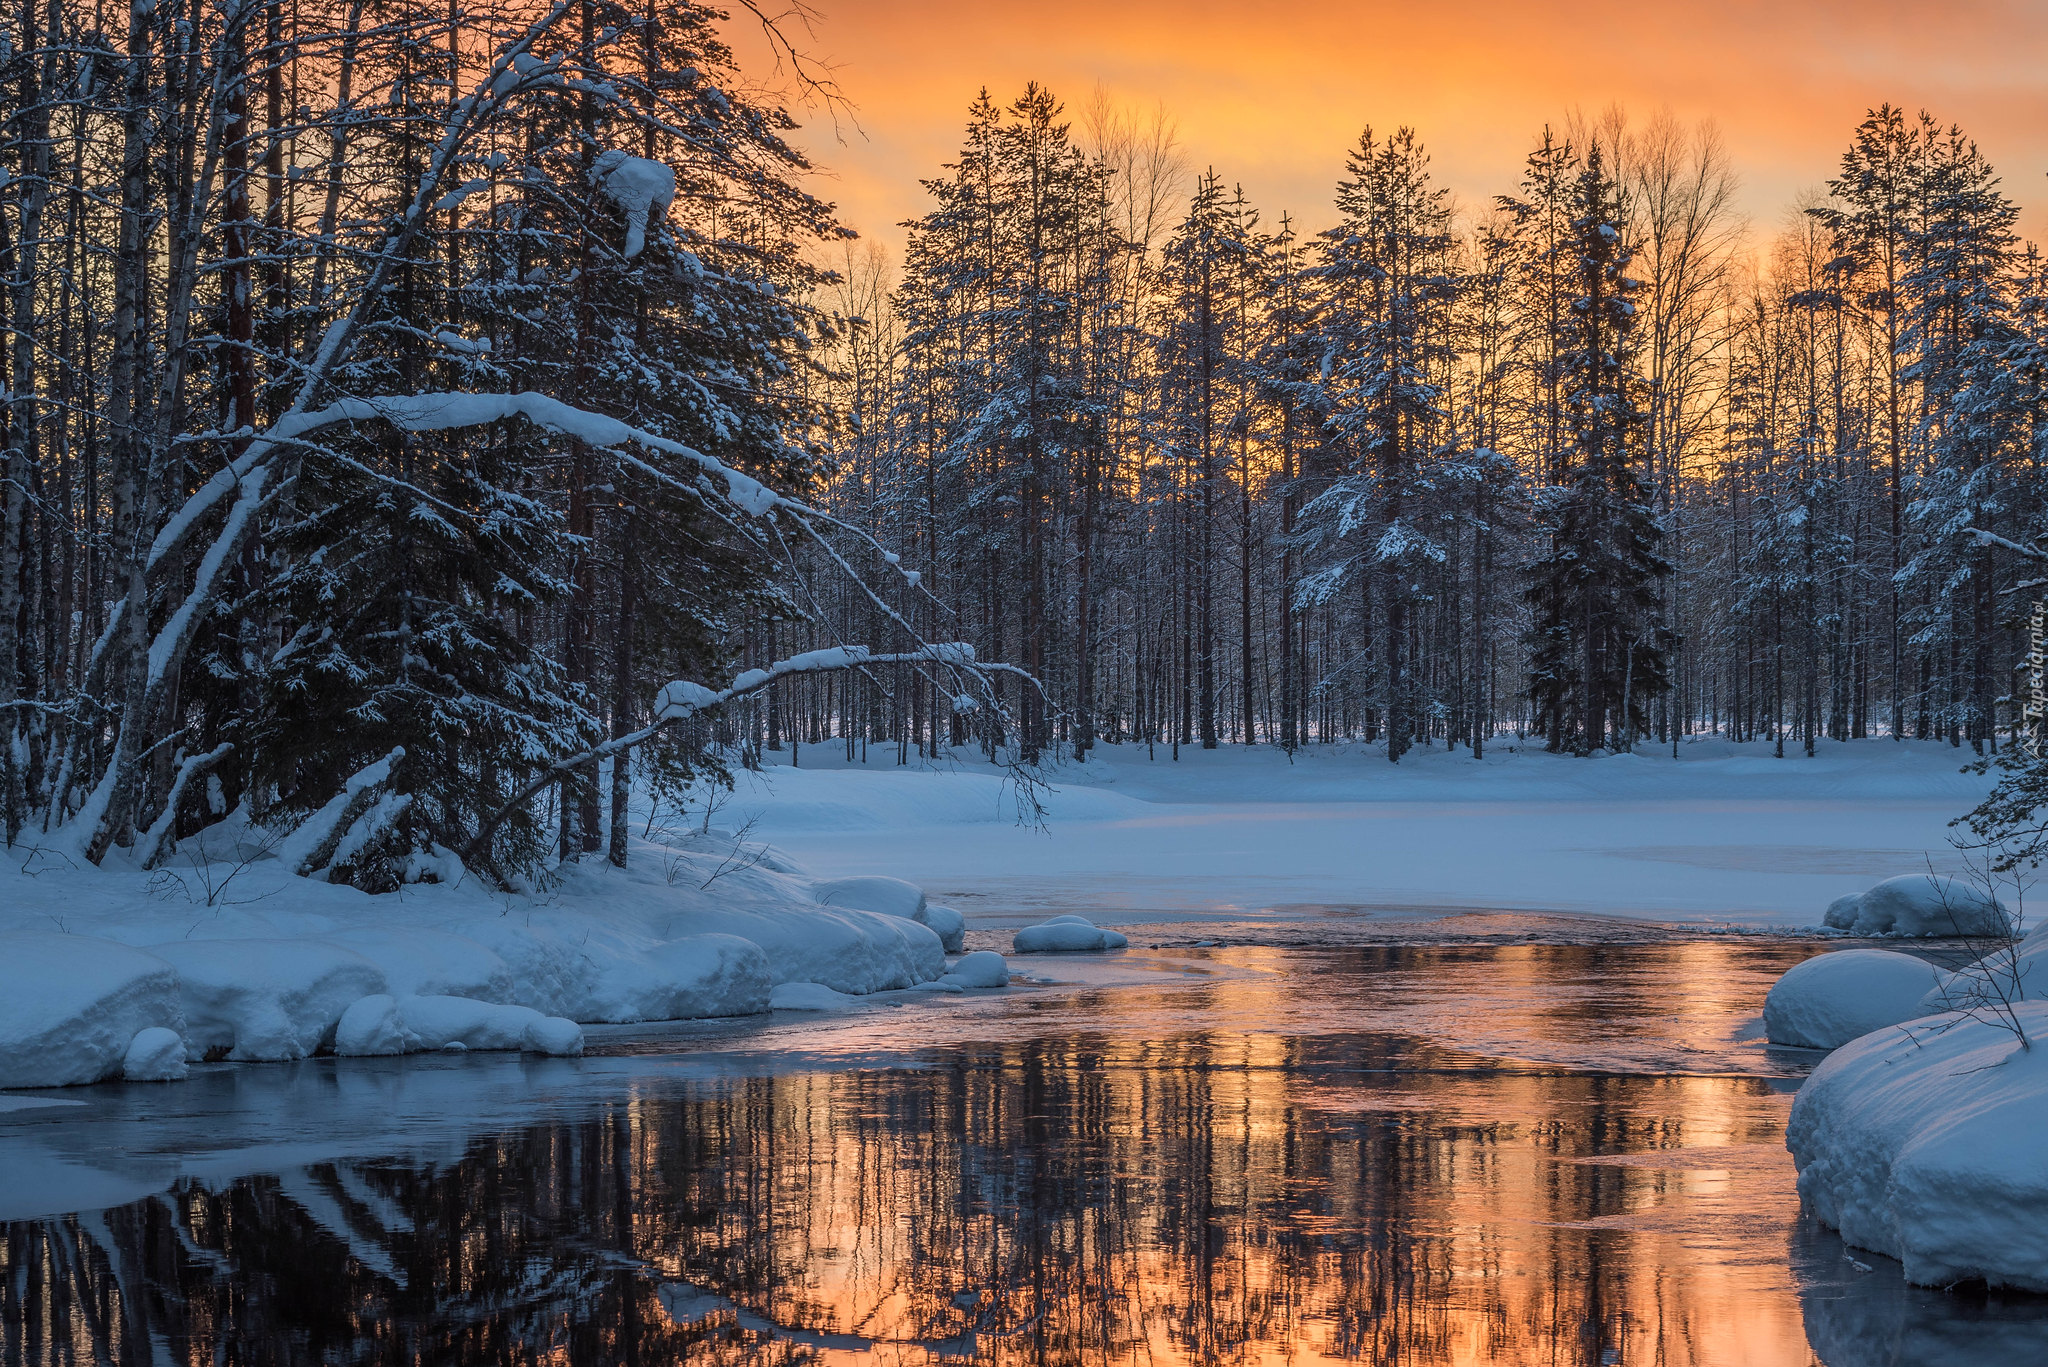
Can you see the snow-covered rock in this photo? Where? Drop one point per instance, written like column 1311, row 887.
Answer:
column 1920, row 904
column 1831, row 999
column 438, row 1022
column 982, row 968
column 266, row 999
column 72, row 1005
column 894, row 897
column 1928, row 1148
column 155, row 1055
column 949, row 925
column 808, row 997
column 1066, row 934
column 384, row 1024
column 373, row 1027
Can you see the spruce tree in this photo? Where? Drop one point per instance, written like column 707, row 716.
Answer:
column 1595, row 654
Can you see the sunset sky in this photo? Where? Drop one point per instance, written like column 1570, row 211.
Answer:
column 1272, row 94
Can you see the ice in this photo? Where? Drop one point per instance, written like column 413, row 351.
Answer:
column 808, row 997
column 155, row 1055
column 266, row 1000
column 982, row 968
column 1920, row 904
column 71, row 1006
column 1066, row 934
column 1924, row 1144
column 1834, row 998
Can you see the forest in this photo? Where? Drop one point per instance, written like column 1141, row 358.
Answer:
column 446, row 417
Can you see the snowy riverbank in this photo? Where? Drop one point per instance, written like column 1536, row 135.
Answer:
column 241, row 959
column 1724, row 833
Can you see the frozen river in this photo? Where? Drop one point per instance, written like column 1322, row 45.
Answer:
column 1411, row 1154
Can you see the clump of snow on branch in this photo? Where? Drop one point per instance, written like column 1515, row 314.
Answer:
column 643, row 188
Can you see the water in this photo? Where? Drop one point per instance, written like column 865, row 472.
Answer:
column 1418, row 1155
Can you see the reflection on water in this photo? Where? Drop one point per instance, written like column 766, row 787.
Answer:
column 1064, row 1191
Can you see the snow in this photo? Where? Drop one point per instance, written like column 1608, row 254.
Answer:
column 266, row 1000
column 1834, row 998
column 239, row 957
column 1725, row 834
column 418, row 963
column 155, row 1055
column 641, row 187
column 808, row 997
column 894, row 897
column 71, row 1007
column 1924, row 1144
column 2010, row 972
column 983, row 968
column 1067, row 934
column 1920, row 905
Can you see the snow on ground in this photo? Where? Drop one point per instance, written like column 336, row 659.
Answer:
column 1724, row 833
column 1924, row 1143
column 241, row 959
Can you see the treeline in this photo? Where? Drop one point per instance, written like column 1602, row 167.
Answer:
column 1585, row 462
column 398, row 396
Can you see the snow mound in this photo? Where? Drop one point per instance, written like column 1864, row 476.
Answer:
column 431, row 963
column 808, row 997
column 1066, row 934
column 383, row 1024
column 72, row 1005
column 266, row 1000
column 1834, row 998
column 155, row 1055
column 1928, row 1148
column 982, row 968
column 894, row 897
column 1920, row 904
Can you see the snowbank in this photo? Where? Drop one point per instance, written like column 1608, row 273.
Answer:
column 1920, row 904
column 266, row 1000
column 1924, row 1144
column 71, row 1007
column 1066, row 934
column 698, row 927
column 1834, row 998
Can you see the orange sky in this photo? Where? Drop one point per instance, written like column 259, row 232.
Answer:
column 1272, row 94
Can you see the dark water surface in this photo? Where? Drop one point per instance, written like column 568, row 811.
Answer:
column 1531, row 1154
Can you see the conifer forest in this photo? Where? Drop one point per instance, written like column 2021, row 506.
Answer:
column 401, row 396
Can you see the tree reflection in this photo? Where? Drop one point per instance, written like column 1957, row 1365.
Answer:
column 1089, row 1198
